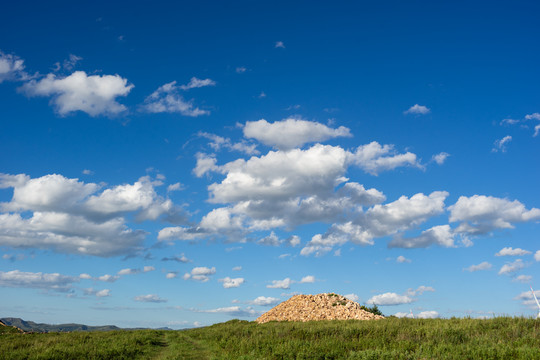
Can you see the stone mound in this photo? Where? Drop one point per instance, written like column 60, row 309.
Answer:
column 317, row 307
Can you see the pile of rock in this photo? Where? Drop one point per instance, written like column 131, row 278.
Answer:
column 317, row 307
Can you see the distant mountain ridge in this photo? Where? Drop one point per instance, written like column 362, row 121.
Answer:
column 30, row 326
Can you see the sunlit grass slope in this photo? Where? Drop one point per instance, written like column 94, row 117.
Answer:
column 499, row 338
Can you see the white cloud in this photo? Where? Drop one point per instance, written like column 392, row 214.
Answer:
column 523, row 278
column 241, row 69
column 264, row 301
column 527, row 298
column 291, row 133
column 167, row 99
column 401, row 314
column 201, row 274
column 402, row 259
column 352, row 297
column 11, row 68
column 440, row 158
column 512, row 267
column 280, row 284
column 205, row 164
column 374, row 158
column 175, row 187
column 129, row 271
column 39, row 280
column 237, row 268
column 481, row 214
column 171, row 275
column 148, row 268
column 107, row 278
column 500, row 145
column 537, row 255
column 308, row 279
column 279, row 44
column 103, row 293
column 181, row 259
column 85, row 276
column 534, row 116
column 271, row 240
column 94, row 94
column 417, row 110
column 231, row 283
column 508, row 251
column 440, row 235
column 149, row 298
column 428, row 315
column 218, row 142
column 536, row 130
column 197, row 83
column 482, row 266
column 390, row 298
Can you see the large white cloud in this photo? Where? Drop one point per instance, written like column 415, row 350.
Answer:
column 481, row 214
column 54, row 281
column 94, row 94
column 67, row 215
column 291, row 133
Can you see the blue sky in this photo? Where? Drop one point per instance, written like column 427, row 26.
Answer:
column 185, row 164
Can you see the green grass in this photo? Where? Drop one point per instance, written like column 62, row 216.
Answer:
column 499, row 338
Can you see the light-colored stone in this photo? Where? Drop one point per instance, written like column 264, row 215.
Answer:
column 317, row 307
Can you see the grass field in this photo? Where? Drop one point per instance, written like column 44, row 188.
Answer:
column 499, row 338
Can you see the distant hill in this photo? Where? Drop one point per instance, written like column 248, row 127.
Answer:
column 36, row 327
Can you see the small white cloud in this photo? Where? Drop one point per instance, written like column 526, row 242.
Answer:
column 103, row 293
column 262, row 95
column 11, row 68
column 85, row 276
column 171, row 275
column 264, row 301
column 279, row 44
column 107, row 278
column 201, row 274
column 500, row 145
column 480, row 267
column 402, row 259
column 231, row 283
column 280, row 284
column 508, row 251
column 197, row 83
column 241, row 69
column 440, row 158
column 232, row 311
column 427, row 315
column 181, row 259
column 308, row 279
column 417, row 110
column 175, row 187
column 523, row 278
column 512, row 267
column 149, row 298
column 389, row 299
column 128, row 271
column 534, row 116
column 537, row 255
column 352, row 297
column 536, row 130
column 87, row 172
column 237, row 268
column 94, row 94
column 54, row 281
column 148, row 268
column 167, row 99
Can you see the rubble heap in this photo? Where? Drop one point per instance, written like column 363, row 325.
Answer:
column 317, row 307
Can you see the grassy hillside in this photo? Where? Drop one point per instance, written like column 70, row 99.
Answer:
column 500, row 338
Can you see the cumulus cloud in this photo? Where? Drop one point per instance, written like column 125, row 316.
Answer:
column 97, row 293
column 481, row 214
column 280, row 284
column 149, row 298
column 508, row 251
column 168, row 99
column 441, row 235
column 307, row 279
column 231, row 283
column 482, row 266
column 523, row 278
column 501, row 144
column 11, row 68
column 171, row 275
column 291, row 133
column 201, row 274
column 417, row 110
column 218, row 142
column 94, row 94
column 39, row 280
column 107, row 278
column 352, row 297
column 70, row 216
column 374, row 158
column 264, row 301
column 391, row 298
column 527, row 298
column 512, row 267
